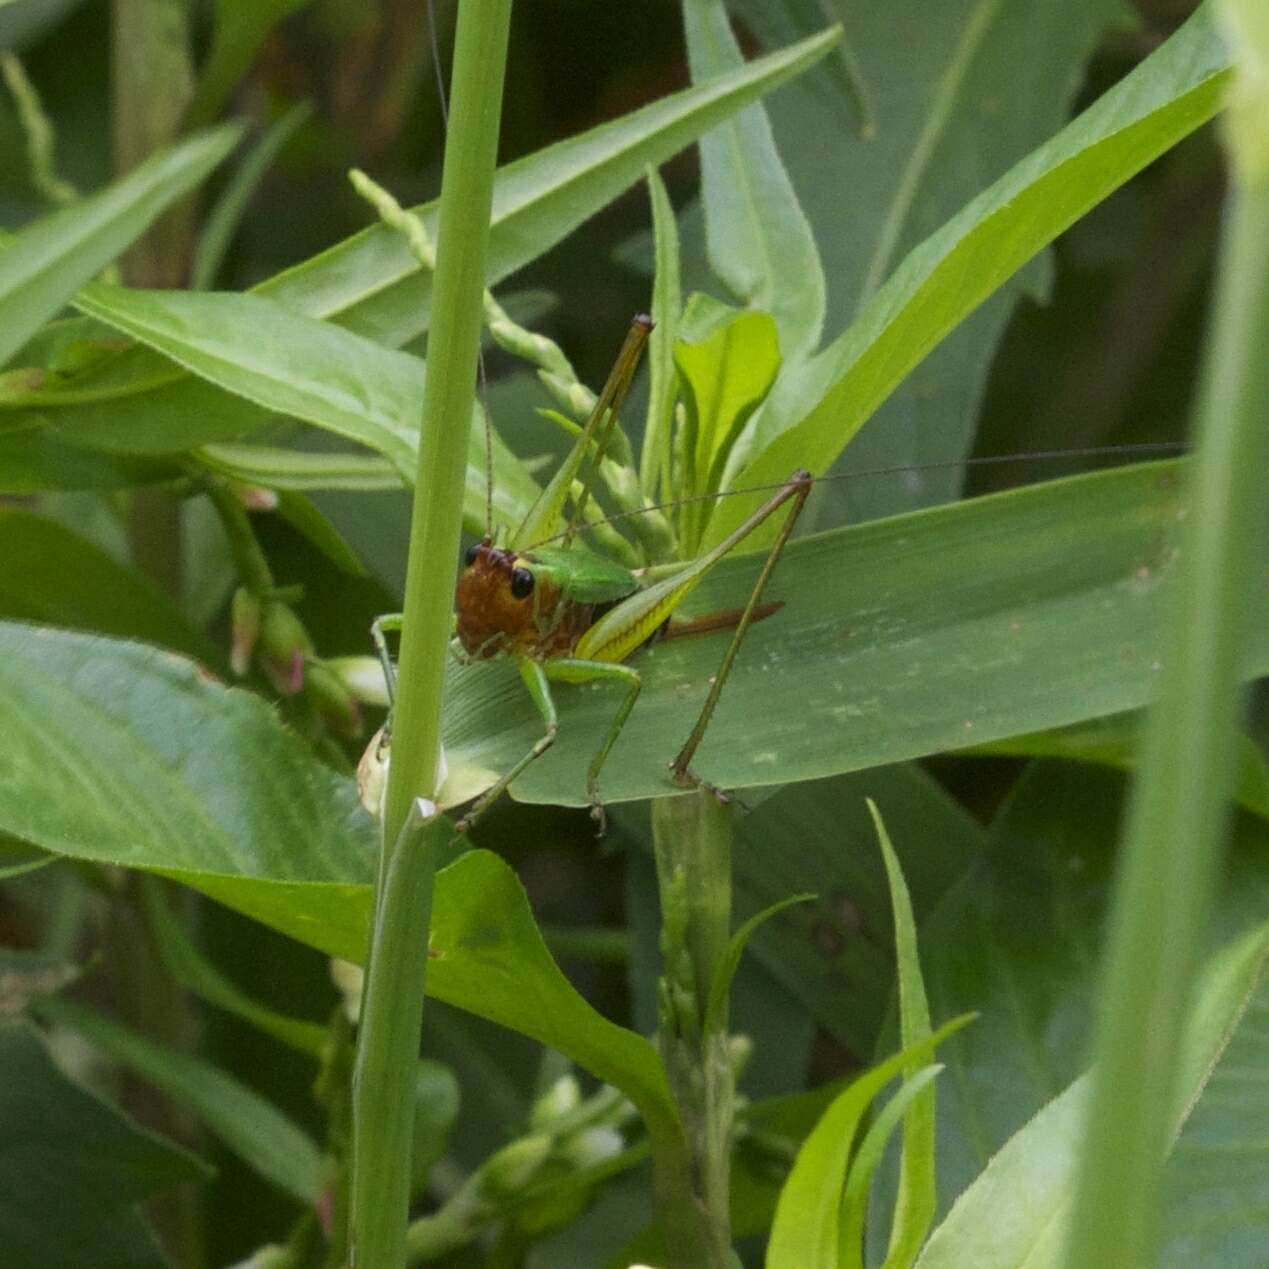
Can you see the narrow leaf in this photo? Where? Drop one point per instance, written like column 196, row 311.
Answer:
column 308, row 369
column 726, row 971
column 758, row 238
column 816, row 408
column 44, row 264
column 806, row 1231
column 864, row 1166
column 917, row 1197
column 667, row 303
column 371, row 283
column 254, row 1129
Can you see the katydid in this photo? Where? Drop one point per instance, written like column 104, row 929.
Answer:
column 569, row 615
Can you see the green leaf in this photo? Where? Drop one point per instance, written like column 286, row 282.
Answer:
column 1016, row 940
column 816, row 408
column 308, row 369
column 254, row 1129
column 667, row 301
column 864, row 1166
column 121, row 754
column 914, row 1207
column 371, row 283
column 224, row 216
column 806, row 1231
column 301, row 470
column 1113, row 742
column 44, row 264
column 54, row 576
column 1017, row 1213
column 73, row 1169
column 723, row 377
column 900, row 638
column 952, row 96
column 726, row 971
column 194, row 971
column 837, row 956
column 758, row 238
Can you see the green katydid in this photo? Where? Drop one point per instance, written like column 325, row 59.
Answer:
column 569, row 615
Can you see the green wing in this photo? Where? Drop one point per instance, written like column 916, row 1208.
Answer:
column 582, row 575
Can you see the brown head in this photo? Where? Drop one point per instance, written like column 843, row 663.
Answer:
column 504, row 608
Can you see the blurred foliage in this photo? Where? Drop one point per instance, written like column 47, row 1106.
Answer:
column 1008, row 861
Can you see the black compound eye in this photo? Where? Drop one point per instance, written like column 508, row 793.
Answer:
column 521, row 583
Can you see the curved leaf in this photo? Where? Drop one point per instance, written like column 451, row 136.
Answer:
column 900, row 638
column 308, row 369
column 952, row 95
column 806, row 1230
column 371, row 284
column 914, row 1206
column 126, row 755
column 43, row 265
column 254, row 1129
column 816, row 408
column 1016, row 1213
column 758, row 238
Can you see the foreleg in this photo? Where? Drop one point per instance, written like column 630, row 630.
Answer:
column 540, row 690
column 576, row 670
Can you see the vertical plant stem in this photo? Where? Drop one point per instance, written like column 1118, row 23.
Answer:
column 1179, row 815
column 692, row 840
column 151, row 80
column 392, row 1003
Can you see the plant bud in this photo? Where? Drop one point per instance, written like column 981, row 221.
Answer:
column 333, row 702
column 562, row 1097
column 244, row 622
column 254, row 497
column 284, row 648
column 512, row 1168
column 592, row 1146
column 362, row 677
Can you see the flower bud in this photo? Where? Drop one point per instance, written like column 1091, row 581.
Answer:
column 563, row 1096
column 244, row 622
column 284, row 647
column 509, row 1170
column 362, row 677
column 254, row 497
column 332, row 701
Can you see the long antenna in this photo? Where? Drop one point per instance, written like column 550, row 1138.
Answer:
column 1135, row 449
column 443, row 98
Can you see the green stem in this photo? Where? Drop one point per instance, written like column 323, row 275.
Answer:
column 388, row 1044
column 249, row 559
column 1177, row 824
column 692, row 839
column 392, row 1002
